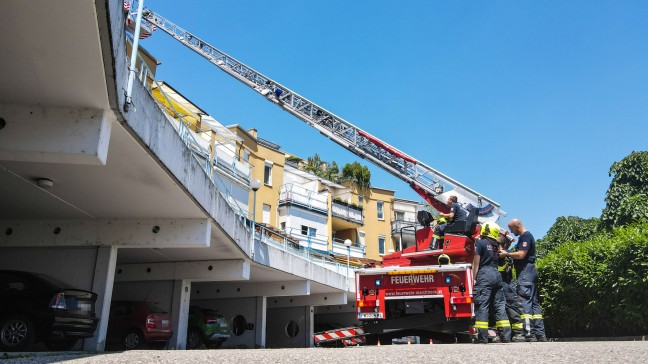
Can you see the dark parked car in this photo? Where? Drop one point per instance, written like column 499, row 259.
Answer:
column 206, row 326
column 134, row 324
column 35, row 308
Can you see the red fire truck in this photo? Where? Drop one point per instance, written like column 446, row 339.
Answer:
column 415, row 290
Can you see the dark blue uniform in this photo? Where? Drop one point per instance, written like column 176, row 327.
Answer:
column 459, row 214
column 513, row 307
column 527, row 287
column 488, row 291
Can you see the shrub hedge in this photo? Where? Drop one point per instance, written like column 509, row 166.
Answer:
column 597, row 287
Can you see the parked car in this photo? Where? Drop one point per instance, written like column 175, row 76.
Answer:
column 206, row 326
column 37, row 308
column 134, row 324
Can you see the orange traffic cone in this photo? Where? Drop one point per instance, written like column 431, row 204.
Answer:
column 378, row 342
column 431, row 342
column 408, row 341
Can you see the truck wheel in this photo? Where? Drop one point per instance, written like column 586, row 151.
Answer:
column 16, row 333
column 133, row 340
column 194, row 339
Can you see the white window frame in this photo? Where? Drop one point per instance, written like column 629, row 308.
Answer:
column 384, row 244
column 380, row 208
column 267, row 166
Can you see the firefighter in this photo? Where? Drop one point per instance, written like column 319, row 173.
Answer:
column 513, row 307
column 524, row 261
column 456, row 213
column 487, row 283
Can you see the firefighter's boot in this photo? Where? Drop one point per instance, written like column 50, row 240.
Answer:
column 433, row 244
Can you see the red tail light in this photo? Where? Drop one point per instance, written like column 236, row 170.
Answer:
column 150, row 321
column 209, row 320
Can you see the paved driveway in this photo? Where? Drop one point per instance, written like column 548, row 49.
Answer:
column 552, row 352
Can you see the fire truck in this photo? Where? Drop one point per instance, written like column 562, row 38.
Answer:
column 416, row 289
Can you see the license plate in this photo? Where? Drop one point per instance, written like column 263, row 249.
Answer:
column 165, row 323
column 366, row 315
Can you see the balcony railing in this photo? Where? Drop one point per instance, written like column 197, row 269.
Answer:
column 347, row 212
column 294, row 194
column 355, row 250
column 407, row 226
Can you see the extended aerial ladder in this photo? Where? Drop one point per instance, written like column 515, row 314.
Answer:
column 429, row 183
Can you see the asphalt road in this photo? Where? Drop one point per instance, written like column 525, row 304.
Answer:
column 551, row 352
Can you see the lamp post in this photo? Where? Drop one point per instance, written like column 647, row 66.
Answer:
column 348, row 243
column 255, row 184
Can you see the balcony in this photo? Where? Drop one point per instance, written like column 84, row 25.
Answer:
column 405, row 226
column 347, row 212
column 291, row 194
column 355, row 250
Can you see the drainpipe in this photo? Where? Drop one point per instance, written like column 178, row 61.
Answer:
column 131, row 70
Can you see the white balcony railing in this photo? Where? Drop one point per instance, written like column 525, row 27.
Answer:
column 292, row 193
column 347, row 212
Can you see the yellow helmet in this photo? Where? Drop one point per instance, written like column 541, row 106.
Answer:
column 490, row 229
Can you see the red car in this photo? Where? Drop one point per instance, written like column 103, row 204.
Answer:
column 134, row 324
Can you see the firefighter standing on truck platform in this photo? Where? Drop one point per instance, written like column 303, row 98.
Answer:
column 487, row 285
column 513, row 307
column 524, row 261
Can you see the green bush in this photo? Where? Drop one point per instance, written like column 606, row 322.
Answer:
column 567, row 229
column 626, row 200
column 598, row 287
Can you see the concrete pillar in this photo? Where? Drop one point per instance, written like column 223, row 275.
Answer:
column 310, row 325
column 180, row 313
column 260, row 322
column 102, row 285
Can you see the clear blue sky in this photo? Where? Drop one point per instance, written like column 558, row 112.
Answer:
column 527, row 102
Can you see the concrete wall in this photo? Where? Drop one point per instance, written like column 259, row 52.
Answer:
column 160, row 292
column 278, row 320
column 72, row 266
column 230, row 308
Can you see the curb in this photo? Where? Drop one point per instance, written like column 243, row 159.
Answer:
column 603, row 338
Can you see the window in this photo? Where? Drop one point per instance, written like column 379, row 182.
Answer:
column 399, row 215
column 267, row 173
column 361, row 237
column 246, row 155
column 381, row 214
column 283, row 226
column 309, row 231
column 360, row 200
column 266, row 214
column 381, row 245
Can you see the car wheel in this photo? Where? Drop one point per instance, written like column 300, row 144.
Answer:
column 60, row 344
column 16, row 333
column 133, row 340
column 214, row 344
column 194, row 339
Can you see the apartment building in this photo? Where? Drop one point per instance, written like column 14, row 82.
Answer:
column 404, row 223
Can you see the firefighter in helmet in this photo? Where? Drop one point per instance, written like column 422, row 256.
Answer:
column 487, row 283
column 513, row 307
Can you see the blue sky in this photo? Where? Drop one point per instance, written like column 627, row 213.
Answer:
column 527, row 102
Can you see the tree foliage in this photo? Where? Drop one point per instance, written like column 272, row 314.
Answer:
column 627, row 197
column 566, row 229
column 597, row 287
column 357, row 175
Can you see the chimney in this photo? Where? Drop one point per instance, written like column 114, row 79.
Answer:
column 253, row 132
